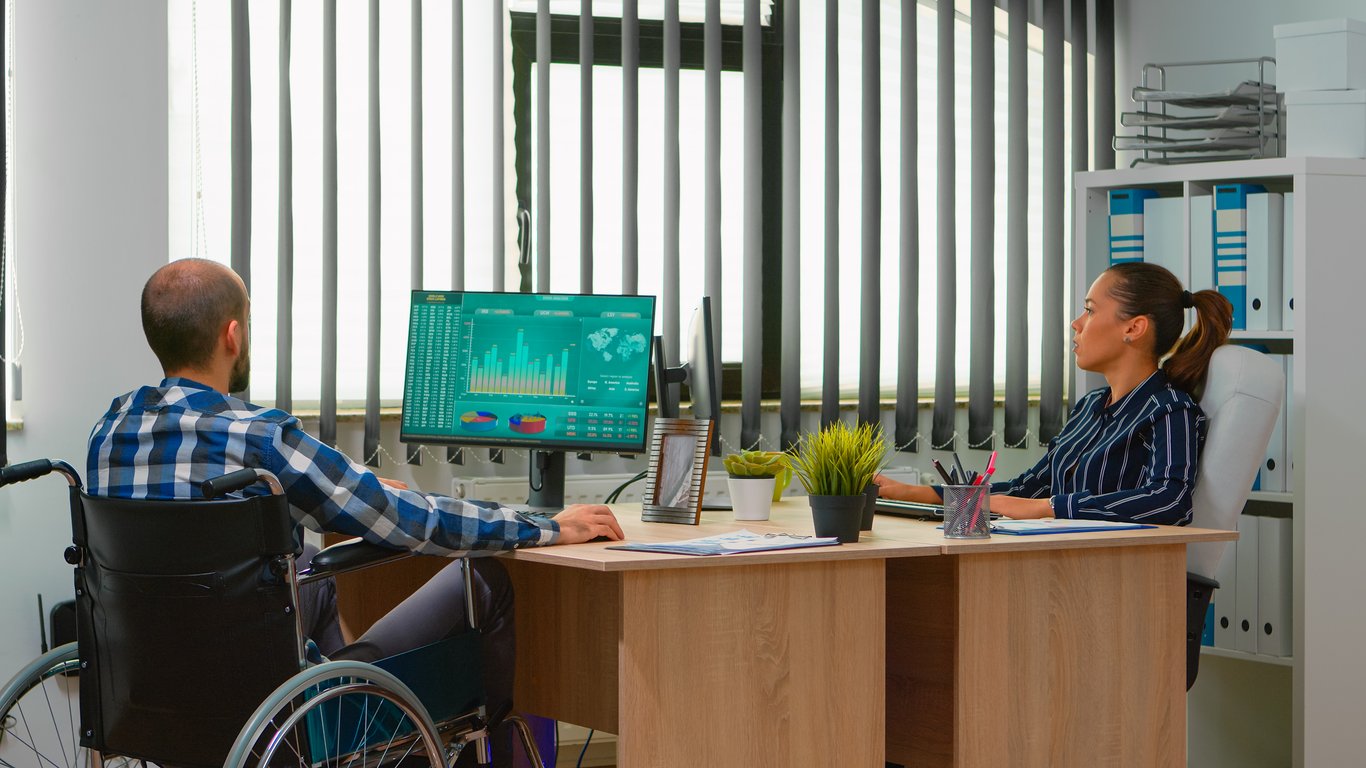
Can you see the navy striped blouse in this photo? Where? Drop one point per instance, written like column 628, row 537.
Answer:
column 1133, row 460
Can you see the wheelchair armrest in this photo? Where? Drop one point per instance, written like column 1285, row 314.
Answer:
column 351, row 555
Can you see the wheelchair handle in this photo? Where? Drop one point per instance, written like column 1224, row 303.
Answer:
column 29, row 470
column 236, row 481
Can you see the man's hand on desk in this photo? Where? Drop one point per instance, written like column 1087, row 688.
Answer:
column 585, row 522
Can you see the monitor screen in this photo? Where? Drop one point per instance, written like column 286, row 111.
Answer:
column 548, row 371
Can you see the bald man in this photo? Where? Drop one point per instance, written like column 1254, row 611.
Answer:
column 162, row 442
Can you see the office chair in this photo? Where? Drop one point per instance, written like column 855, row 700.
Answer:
column 1244, row 390
column 190, row 650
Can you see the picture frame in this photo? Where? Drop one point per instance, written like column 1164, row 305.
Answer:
column 677, row 472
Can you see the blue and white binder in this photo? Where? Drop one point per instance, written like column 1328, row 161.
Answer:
column 1275, row 466
column 1274, row 586
column 1163, row 234
column 1245, row 608
column 1230, row 246
column 1126, row 224
column 1226, row 599
column 1288, row 266
column 1265, row 261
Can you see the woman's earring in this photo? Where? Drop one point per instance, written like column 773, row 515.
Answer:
column 1126, row 339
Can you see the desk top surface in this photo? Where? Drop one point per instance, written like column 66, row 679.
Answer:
column 891, row 537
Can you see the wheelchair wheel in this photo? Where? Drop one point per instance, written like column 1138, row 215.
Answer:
column 40, row 714
column 341, row 713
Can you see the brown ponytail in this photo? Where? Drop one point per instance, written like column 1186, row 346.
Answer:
column 1189, row 360
column 1148, row 289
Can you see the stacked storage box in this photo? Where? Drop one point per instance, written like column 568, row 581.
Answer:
column 1321, row 66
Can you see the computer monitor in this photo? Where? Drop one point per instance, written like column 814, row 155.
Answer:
column 701, row 373
column 546, row 372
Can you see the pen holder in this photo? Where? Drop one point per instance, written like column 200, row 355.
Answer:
column 967, row 511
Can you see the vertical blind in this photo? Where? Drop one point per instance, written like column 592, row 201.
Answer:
column 876, row 314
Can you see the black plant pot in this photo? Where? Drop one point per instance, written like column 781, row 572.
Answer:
column 869, row 501
column 838, row 516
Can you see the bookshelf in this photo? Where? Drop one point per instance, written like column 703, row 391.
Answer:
column 1327, row 433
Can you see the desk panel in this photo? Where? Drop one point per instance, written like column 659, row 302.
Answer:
column 1056, row 657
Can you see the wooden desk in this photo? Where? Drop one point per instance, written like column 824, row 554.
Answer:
column 764, row 659
column 1057, row 650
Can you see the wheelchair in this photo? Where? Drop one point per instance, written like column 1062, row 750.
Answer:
column 194, row 655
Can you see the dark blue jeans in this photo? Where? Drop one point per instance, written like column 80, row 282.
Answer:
column 434, row 611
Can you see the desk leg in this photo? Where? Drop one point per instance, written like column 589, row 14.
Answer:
column 769, row 665
column 1069, row 657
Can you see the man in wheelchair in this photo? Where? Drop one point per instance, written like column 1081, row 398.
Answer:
column 163, row 441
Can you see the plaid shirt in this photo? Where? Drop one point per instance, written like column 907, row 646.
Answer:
column 162, row 442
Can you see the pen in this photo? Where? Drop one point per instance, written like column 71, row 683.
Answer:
column 940, row 468
column 991, row 467
column 958, row 467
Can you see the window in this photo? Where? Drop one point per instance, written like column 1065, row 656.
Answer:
column 200, row 82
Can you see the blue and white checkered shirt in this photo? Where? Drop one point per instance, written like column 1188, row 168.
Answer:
column 162, row 442
column 1131, row 460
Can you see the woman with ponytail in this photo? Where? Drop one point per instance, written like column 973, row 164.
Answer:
column 1129, row 451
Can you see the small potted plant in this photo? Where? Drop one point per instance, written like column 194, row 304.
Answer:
column 835, row 466
column 753, row 477
column 872, row 459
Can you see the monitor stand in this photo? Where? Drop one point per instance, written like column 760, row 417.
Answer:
column 547, row 481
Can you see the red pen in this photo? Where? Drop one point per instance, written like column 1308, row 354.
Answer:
column 991, row 467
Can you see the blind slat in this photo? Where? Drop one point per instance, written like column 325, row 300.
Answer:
column 1081, row 132
column 586, row 147
column 711, row 270
column 327, row 407
column 791, row 310
column 542, row 146
column 1105, row 85
column 668, row 298
column 1017, row 228
column 908, row 365
column 1051, row 311
column 830, row 378
column 630, row 148
column 240, row 142
column 415, row 178
column 870, row 299
column 284, row 344
column 945, row 333
column 982, row 342
column 373, row 294
column 751, row 381
column 496, row 155
column 456, row 455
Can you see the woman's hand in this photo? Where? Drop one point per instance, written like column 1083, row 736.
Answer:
column 1020, row 509
column 888, row 488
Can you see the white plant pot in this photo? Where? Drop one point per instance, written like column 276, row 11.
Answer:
column 751, row 497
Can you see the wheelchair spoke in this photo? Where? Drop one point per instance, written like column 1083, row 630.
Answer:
column 53, row 714
column 32, row 743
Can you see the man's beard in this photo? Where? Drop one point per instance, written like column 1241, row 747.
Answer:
column 240, row 378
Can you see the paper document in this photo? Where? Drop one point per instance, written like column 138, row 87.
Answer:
column 743, row 540
column 1055, row 525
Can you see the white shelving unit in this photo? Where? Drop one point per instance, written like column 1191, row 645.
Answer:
column 1328, row 435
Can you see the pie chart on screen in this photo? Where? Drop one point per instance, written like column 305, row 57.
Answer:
column 479, row 421
column 527, row 423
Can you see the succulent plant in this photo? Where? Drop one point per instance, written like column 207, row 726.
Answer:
column 756, row 464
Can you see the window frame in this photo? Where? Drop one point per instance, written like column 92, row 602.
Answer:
column 607, row 44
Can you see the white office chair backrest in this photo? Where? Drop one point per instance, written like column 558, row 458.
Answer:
column 1244, row 390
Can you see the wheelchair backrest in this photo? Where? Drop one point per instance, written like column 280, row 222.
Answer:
column 187, row 621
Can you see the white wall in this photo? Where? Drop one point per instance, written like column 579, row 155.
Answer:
column 1148, row 31
column 91, row 224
